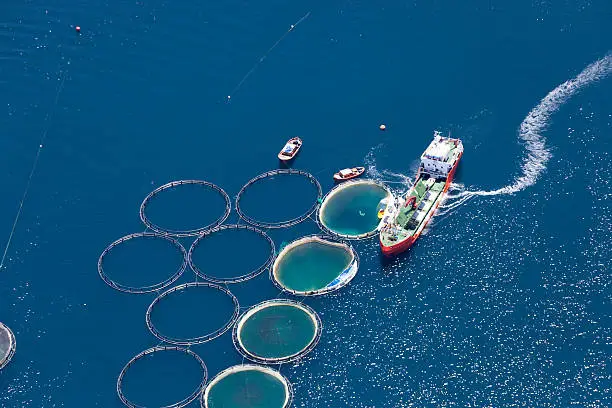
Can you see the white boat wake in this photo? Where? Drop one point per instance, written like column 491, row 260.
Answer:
column 386, row 176
column 530, row 132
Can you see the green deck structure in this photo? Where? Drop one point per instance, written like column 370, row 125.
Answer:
column 420, row 190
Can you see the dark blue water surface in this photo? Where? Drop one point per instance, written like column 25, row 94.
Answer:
column 505, row 301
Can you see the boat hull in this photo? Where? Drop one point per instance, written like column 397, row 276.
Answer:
column 297, row 142
column 360, row 171
column 283, row 158
column 404, row 245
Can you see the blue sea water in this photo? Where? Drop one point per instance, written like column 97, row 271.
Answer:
column 505, row 301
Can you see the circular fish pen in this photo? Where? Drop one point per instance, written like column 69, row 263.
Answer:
column 314, row 265
column 247, row 386
column 351, row 209
column 8, row 345
column 148, row 355
column 147, row 288
column 184, row 232
column 277, row 332
column 278, row 223
column 189, row 341
column 231, row 246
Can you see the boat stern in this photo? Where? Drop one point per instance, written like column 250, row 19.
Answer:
column 393, row 250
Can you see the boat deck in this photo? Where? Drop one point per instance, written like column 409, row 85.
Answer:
column 425, row 199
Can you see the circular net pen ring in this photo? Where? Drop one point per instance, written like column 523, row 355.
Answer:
column 279, row 224
column 180, row 404
column 193, row 340
column 295, row 357
column 236, row 279
column 288, row 387
column 143, row 289
column 184, row 233
column 12, row 346
column 343, row 185
column 350, row 271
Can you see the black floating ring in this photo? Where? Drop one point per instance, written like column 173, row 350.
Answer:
column 193, row 340
column 143, row 289
column 183, row 403
column 184, row 233
column 236, row 279
column 280, row 224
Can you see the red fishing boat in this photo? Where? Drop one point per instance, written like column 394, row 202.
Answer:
column 405, row 218
column 347, row 174
column 292, row 147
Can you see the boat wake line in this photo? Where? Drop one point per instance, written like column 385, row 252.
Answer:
column 530, row 133
column 386, row 176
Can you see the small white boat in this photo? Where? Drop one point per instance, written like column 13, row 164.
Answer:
column 347, row 174
column 291, row 148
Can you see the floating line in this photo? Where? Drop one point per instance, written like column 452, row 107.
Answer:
column 236, row 279
column 143, row 289
column 262, row 58
column 183, row 403
column 48, row 120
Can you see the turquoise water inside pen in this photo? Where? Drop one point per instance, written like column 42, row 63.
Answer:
column 353, row 209
column 504, row 301
column 311, row 265
column 277, row 331
column 248, row 388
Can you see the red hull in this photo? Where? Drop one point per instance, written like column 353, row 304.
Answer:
column 408, row 242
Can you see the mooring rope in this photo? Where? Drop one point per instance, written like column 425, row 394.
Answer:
column 43, row 138
column 263, row 57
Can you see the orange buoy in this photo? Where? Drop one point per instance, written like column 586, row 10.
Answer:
column 382, row 127
column 78, row 29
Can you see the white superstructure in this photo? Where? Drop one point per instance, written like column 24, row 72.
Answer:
column 441, row 155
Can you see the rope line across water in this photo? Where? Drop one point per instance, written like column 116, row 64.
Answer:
column 236, row 279
column 279, row 224
column 143, row 289
column 199, row 339
column 180, row 404
column 191, row 232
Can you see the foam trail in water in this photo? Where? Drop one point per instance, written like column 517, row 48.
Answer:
column 530, row 132
column 537, row 121
column 385, row 176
